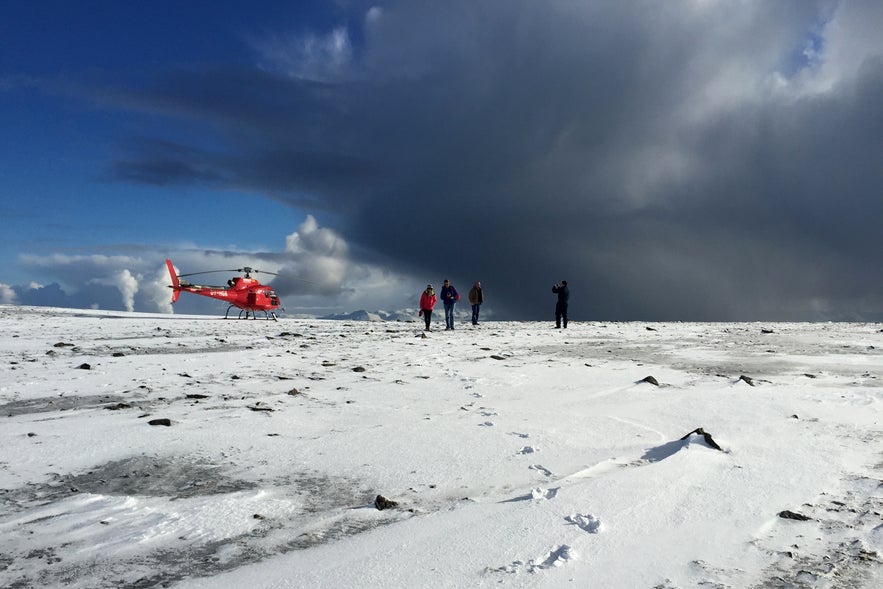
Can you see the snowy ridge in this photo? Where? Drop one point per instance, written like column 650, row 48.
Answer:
column 363, row 315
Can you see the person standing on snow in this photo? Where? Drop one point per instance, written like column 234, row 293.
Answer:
column 475, row 299
column 561, row 306
column 427, row 304
column 449, row 297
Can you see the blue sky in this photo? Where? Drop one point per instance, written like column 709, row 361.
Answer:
column 664, row 166
column 59, row 142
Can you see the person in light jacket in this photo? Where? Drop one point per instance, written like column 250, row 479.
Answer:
column 475, row 299
column 427, row 304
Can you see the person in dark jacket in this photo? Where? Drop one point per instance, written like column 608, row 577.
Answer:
column 449, row 297
column 561, row 306
column 475, row 299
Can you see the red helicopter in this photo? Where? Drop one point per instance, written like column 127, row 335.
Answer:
column 243, row 292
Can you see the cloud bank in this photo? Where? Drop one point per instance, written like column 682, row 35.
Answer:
column 314, row 274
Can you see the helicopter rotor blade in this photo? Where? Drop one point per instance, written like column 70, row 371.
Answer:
column 245, row 270
column 206, row 272
column 248, row 270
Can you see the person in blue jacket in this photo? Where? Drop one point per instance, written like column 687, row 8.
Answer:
column 449, row 297
column 561, row 306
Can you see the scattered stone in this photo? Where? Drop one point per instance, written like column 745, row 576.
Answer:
column 795, row 416
column 328, row 363
column 766, row 330
column 808, row 375
column 382, row 503
column 651, row 380
column 85, row 366
column 747, row 380
column 32, row 435
column 787, row 514
column 708, row 439
column 196, row 396
column 648, row 328
column 234, row 377
column 118, row 406
column 293, row 392
column 62, row 345
column 163, row 421
column 497, row 357
column 118, row 354
column 258, row 516
column 184, row 374
column 359, row 369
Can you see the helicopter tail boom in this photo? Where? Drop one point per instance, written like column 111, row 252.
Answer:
column 176, row 285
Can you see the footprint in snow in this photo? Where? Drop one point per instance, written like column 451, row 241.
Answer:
column 540, row 493
column 554, row 558
column 586, row 522
column 486, row 424
column 527, row 450
column 522, row 436
column 541, row 469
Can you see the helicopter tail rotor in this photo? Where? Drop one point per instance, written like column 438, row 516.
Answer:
column 176, row 285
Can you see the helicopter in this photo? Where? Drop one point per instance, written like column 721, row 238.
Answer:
column 244, row 292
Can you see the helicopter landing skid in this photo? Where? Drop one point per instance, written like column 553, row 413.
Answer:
column 246, row 312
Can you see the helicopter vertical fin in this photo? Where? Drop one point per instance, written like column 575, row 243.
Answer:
column 176, row 286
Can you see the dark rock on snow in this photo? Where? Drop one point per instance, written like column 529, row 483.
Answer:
column 651, row 380
column 382, row 503
column 787, row 514
column 708, row 439
column 261, row 408
column 163, row 421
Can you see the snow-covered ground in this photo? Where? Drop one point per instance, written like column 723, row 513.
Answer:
column 518, row 455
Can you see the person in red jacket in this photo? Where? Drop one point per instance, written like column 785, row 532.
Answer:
column 427, row 303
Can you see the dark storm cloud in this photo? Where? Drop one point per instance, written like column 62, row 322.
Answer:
column 654, row 156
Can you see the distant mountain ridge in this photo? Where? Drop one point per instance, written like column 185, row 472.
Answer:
column 363, row 315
